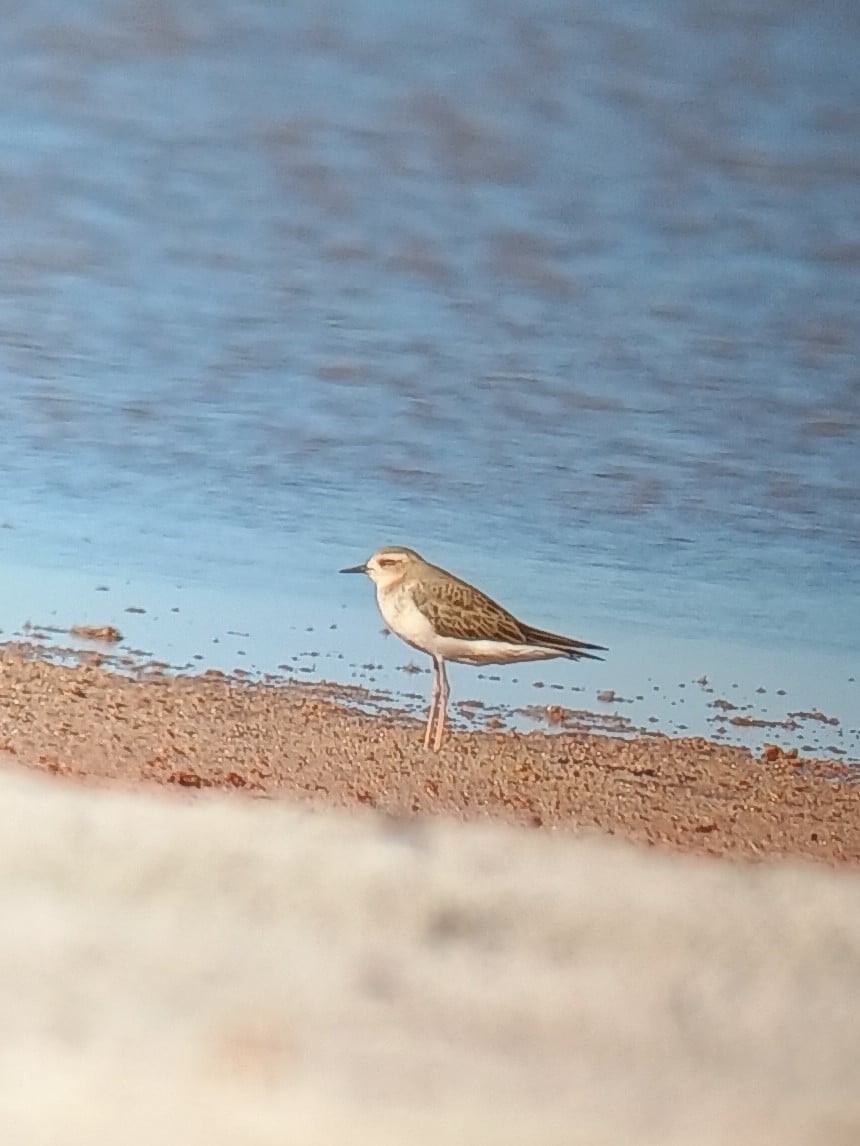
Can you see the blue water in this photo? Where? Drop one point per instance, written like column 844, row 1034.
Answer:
column 566, row 297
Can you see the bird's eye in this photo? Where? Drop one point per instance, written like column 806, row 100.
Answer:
column 384, row 561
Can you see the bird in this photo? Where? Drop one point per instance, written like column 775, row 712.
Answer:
column 438, row 613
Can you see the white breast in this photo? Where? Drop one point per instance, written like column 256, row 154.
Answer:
column 403, row 618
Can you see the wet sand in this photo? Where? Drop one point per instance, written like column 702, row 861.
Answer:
column 309, row 743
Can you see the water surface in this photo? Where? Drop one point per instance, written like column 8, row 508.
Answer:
column 564, row 296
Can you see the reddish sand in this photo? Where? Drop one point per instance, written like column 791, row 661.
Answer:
column 307, row 743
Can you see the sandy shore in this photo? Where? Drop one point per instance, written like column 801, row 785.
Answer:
column 209, row 935
column 306, row 743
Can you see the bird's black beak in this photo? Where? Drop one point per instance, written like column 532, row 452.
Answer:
column 355, row 569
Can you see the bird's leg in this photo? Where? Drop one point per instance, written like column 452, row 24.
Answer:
column 434, row 702
column 441, row 703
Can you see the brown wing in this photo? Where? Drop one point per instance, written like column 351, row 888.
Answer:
column 457, row 609
column 568, row 646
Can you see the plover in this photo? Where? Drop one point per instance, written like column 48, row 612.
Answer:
column 436, row 612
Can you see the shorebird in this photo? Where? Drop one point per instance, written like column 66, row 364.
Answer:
column 436, row 612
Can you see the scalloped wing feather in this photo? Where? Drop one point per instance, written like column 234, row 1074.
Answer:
column 444, row 604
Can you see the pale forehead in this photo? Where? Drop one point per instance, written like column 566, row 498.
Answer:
column 396, row 551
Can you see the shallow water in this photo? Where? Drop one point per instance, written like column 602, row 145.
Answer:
column 565, row 298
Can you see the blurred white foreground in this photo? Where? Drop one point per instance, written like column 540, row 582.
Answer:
column 229, row 971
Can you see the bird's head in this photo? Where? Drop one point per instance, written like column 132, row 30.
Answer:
column 388, row 565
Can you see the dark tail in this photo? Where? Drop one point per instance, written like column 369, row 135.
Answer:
column 567, row 646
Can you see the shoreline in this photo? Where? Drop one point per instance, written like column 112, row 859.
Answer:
column 712, row 685
column 311, row 743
